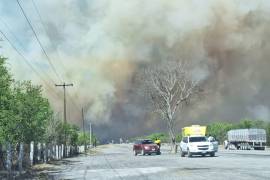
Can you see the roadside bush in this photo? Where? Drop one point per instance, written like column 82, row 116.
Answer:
column 86, row 138
column 219, row 130
column 162, row 136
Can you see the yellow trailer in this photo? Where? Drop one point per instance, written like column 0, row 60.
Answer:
column 194, row 130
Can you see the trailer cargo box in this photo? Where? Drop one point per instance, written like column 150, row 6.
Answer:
column 247, row 138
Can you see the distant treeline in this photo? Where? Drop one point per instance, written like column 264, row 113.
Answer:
column 217, row 129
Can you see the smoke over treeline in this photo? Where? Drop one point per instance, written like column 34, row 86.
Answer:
column 102, row 45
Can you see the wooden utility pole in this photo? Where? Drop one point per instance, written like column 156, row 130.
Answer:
column 65, row 112
column 90, row 132
column 84, row 139
column 65, row 106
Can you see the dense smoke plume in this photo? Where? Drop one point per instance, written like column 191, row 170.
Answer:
column 101, row 45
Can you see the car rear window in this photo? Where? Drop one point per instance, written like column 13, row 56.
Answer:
column 147, row 142
column 197, row 139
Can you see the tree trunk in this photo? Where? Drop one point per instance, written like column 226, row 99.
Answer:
column 173, row 145
column 172, row 137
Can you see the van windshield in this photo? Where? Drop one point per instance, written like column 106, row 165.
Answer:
column 197, row 139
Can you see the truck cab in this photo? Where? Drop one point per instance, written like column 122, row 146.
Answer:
column 197, row 145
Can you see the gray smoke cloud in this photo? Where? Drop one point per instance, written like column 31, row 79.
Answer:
column 101, row 45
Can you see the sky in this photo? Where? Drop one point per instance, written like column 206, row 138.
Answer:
column 101, row 45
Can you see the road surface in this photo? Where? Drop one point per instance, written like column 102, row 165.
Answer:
column 117, row 162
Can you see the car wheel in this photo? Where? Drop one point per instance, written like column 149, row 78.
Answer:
column 212, row 154
column 203, row 155
column 143, row 152
column 135, row 153
column 182, row 153
column 189, row 154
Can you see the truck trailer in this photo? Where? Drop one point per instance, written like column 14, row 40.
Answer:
column 247, row 139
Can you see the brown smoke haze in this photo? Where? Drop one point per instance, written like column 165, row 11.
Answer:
column 102, row 45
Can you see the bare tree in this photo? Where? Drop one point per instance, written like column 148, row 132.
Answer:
column 170, row 86
column 52, row 128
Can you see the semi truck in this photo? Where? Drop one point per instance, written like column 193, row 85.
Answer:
column 194, row 142
column 246, row 139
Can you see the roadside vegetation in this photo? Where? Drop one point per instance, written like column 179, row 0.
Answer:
column 26, row 116
column 216, row 129
column 84, row 138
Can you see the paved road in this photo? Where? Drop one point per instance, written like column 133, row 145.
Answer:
column 116, row 162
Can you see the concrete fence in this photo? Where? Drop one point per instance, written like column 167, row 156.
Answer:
column 14, row 159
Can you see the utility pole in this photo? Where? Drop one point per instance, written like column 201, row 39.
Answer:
column 64, row 85
column 65, row 106
column 84, row 139
column 90, row 131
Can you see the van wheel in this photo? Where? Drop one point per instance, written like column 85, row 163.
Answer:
column 212, row 154
column 189, row 154
column 135, row 153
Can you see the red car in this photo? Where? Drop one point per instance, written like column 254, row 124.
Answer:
column 145, row 147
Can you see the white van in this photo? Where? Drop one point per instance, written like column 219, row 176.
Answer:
column 198, row 145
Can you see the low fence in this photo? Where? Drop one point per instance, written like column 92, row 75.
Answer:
column 14, row 159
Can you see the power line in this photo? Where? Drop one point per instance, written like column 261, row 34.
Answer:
column 45, row 29
column 21, row 44
column 25, row 59
column 39, row 42
column 38, row 13
column 73, row 102
column 7, row 27
column 62, row 64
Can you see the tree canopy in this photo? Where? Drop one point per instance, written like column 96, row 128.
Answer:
column 26, row 115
